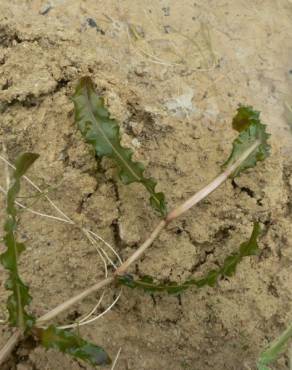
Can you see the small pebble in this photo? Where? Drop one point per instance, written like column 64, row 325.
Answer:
column 167, row 29
column 91, row 23
column 140, row 71
column 166, row 11
column 136, row 127
column 136, row 143
column 45, row 9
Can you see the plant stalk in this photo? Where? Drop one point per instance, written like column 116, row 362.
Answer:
column 79, row 297
column 122, row 269
column 196, row 198
column 9, row 346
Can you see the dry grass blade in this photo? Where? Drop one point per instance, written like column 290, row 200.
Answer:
column 116, row 359
column 94, row 239
column 9, row 346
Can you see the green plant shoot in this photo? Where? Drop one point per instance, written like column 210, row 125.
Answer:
column 148, row 284
column 52, row 337
column 247, row 122
column 68, row 342
column 18, row 316
column 94, row 122
column 274, row 350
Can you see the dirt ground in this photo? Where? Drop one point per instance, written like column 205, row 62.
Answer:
column 173, row 73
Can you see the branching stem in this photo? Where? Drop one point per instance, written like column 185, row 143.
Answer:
column 196, row 198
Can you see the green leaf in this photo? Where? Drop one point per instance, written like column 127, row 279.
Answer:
column 249, row 248
column 277, row 347
column 20, row 296
column 98, row 129
column 228, row 269
column 247, row 122
column 68, row 342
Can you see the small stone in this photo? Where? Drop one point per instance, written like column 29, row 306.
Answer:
column 91, row 23
column 167, row 29
column 136, row 127
column 166, row 11
column 140, row 71
column 136, row 143
column 45, row 9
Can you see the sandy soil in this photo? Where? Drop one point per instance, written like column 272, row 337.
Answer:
column 173, row 73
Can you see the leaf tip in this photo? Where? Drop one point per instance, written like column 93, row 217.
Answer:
column 101, row 131
column 252, row 132
column 244, row 117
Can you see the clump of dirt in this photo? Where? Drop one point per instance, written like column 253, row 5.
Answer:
column 173, row 74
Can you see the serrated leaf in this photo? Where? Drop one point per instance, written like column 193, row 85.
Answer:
column 20, row 296
column 209, row 280
column 98, row 129
column 148, row 284
column 249, row 248
column 68, row 342
column 247, row 122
